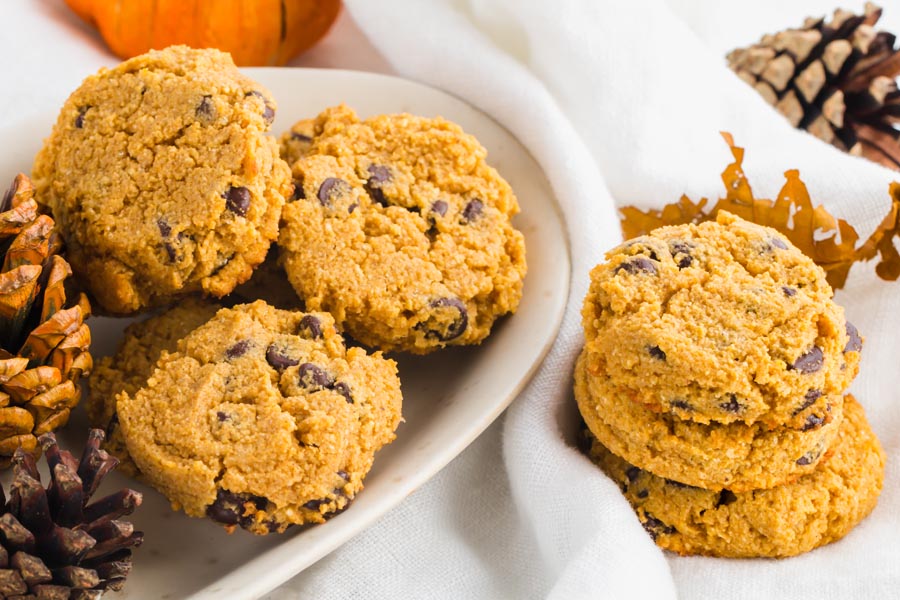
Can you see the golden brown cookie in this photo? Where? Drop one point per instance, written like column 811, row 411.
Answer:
column 163, row 179
column 724, row 321
column 401, row 230
column 735, row 456
column 816, row 509
column 262, row 418
column 133, row 363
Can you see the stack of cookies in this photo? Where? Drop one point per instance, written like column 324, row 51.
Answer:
column 253, row 409
column 712, row 384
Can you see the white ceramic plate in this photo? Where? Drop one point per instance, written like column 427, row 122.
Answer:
column 448, row 398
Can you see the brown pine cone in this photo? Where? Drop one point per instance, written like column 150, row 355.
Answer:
column 835, row 79
column 43, row 338
column 53, row 543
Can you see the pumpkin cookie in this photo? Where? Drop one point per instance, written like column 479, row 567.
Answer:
column 724, row 321
column 262, row 418
column 735, row 456
column 401, row 230
column 162, row 178
column 133, row 363
column 814, row 510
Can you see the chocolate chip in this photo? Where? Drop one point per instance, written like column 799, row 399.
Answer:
column 316, row 504
column 810, row 362
column 778, row 243
column 222, row 416
column 809, row 457
column 330, row 189
column 79, row 120
column 813, row 422
column 732, row 406
column 632, row 473
column 725, row 498
column 343, row 475
column 457, row 327
column 378, row 176
column 642, row 494
column 300, row 137
column 299, row 192
column 656, row 352
column 472, row 210
column 237, row 200
column 344, row 390
column 854, row 344
column 314, row 377
column 268, row 112
column 170, row 251
column 684, row 249
column 439, row 207
column 338, row 511
column 681, row 404
column 352, row 207
column 206, row 110
column 808, row 400
column 637, row 264
column 165, row 229
column 655, row 527
column 310, row 327
column 278, row 360
column 229, row 507
column 789, row 291
column 238, row 349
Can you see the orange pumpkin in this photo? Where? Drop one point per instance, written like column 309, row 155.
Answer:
column 255, row 32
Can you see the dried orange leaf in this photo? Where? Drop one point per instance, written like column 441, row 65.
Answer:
column 829, row 241
column 881, row 242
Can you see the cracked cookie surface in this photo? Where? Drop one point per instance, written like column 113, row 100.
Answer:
column 262, row 419
column 134, row 361
column 400, row 229
column 724, row 321
column 816, row 509
column 162, row 178
column 735, row 456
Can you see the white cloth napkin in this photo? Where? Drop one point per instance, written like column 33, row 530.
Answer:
column 621, row 103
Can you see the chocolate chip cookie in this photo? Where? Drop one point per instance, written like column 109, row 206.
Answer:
column 816, row 509
column 724, row 321
column 133, row 363
column 401, row 230
column 162, row 178
column 716, row 456
column 262, row 418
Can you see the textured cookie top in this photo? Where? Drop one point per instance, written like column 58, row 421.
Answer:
column 400, row 229
column 162, row 179
column 262, row 418
column 723, row 321
column 816, row 509
column 134, row 361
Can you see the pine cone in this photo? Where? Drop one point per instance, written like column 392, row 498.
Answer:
column 53, row 544
column 834, row 79
column 43, row 339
